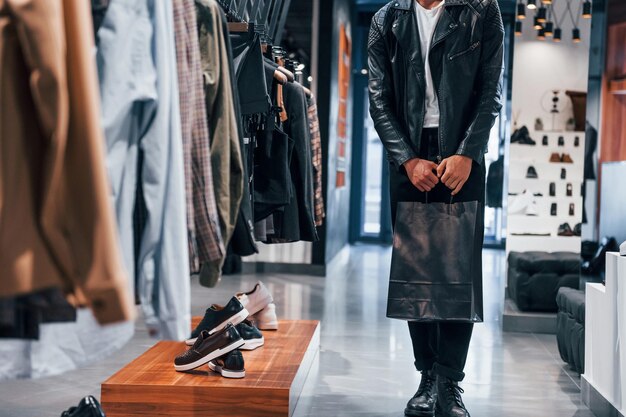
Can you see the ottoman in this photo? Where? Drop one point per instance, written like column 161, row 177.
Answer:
column 570, row 327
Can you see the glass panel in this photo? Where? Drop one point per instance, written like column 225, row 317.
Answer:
column 373, row 179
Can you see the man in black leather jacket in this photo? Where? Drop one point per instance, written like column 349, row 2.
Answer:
column 434, row 121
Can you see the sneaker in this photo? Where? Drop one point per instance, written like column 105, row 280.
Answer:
column 578, row 229
column 88, row 407
column 563, row 173
column 522, row 137
column 561, row 141
column 577, row 141
column 251, row 335
column 552, row 189
column 553, row 209
column 567, row 159
column 565, row 230
column 531, row 172
column 555, row 157
column 622, row 249
column 230, row 365
column 532, row 209
column 217, row 317
column 544, row 141
column 257, row 299
column 520, row 203
column 569, row 189
column 208, row 347
column 266, row 319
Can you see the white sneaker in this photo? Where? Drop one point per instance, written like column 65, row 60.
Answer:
column 532, row 209
column 266, row 319
column 257, row 299
column 520, row 203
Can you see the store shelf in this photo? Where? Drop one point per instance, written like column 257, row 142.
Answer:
column 275, row 375
column 543, row 243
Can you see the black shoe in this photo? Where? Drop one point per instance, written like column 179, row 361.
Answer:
column 552, row 189
column 449, row 401
column 423, row 402
column 87, row 407
column 209, row 347
column 251, row 335
column 544, row 141
column 538, row 195
column 553, row 209
column 597, row 264
column 563, row 173
column 522, row 137
column 578, row 229
column 569, row 189
column 565, row 230
column 532, row 172
column 561, row 141
column 572, row 210
column 230, row 365
column 577, row 141
column 217, row 317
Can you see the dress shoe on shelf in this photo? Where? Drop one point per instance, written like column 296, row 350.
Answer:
column 266, row 319
column 424, row 401
column 544, row 140
column 563, row 173
column 555, row 157
column 577, row 141
column 565, row 230
column 567, row 159
column 87, row 407
column 569, row 190
column 531, row 172
column 553, row 209
column 257, row 299
column 561, row 141
column 230, row 365
column 578, row 229
column 596, row 265
column 522, row 137
column 252, row 336
column 208, row 347
column 449, row 400
column 572, row 209
column 552, row 189
column 217, row 317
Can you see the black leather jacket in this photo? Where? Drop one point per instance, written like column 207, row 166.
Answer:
column 466, row 62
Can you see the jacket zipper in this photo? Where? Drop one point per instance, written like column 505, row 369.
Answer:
column 471, row 48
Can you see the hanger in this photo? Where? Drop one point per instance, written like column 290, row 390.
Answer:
column 280, row 77
column 290, row 75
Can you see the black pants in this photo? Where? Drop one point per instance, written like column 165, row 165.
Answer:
column 439, row 346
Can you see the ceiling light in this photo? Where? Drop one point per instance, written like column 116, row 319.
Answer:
column 576, row 35
column 557, row 35
column 537, row 24
column 518, row 28
column 587, row 9
column 542, row 14
column 532, row 4
column 549, row 28
column 521, row 11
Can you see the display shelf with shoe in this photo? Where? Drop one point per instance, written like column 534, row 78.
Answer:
column 262, row 382
column 555, row 170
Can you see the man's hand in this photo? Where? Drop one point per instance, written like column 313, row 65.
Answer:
column 421, row 173
column 454, row 172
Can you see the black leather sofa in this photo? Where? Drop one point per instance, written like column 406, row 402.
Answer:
column 570, row 327
column 534, row 278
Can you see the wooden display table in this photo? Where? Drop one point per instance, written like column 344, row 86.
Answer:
column 275, row 375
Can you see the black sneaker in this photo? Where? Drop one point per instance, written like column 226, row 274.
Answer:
column 577, row 141
column 230, row 365
column 532, row 172
column 217, row 317
column 251, row 335
column 553, row 209
column 544, row 141
column 565, row 230
column 561, row 141
column 552, row 189
column 87, row 407
column 522, row 137
column 209, row 347
column 563, row 173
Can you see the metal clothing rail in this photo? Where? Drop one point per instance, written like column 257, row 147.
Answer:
column 267, row 16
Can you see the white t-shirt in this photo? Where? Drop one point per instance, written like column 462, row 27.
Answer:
column 426, row 22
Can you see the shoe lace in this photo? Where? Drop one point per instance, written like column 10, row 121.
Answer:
column 426, row 384
column 455, row 392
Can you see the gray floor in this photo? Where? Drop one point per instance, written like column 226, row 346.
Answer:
column 365, row 363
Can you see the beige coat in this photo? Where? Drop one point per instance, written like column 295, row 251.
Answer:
column 56, row 221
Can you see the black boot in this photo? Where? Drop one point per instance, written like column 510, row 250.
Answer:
column 423, row 402
column 449, row 401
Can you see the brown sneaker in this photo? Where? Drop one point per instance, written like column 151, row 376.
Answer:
column 565, row 158
column 555, row 157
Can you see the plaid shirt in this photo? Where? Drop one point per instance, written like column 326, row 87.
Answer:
column 316, row 152
column 205, row 238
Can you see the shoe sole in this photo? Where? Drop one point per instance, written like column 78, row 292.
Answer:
column 260, row 305
column 272, row 325
column 213, row 355
column 252, row 344
column 227, row 373
column 411, row 413
column 235, row 320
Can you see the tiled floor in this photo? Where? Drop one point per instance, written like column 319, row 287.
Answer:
column 365, row 363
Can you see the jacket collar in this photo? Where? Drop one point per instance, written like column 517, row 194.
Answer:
column 408, row 4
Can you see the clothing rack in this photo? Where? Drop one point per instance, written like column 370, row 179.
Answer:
column 268, row 17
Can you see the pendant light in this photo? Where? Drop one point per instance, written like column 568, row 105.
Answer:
column 549, row 28
column 532, row 4
column 576, row 35
column 547, row 1
column 521, row 11
column 537, row 24
column 557, row 35
column 587, row 9
column 518, row 28
column 542, row 14
column 541, row 34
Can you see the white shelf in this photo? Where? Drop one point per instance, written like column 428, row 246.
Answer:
column 543, row 244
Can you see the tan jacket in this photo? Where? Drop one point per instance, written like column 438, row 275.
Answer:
column 56, row 221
